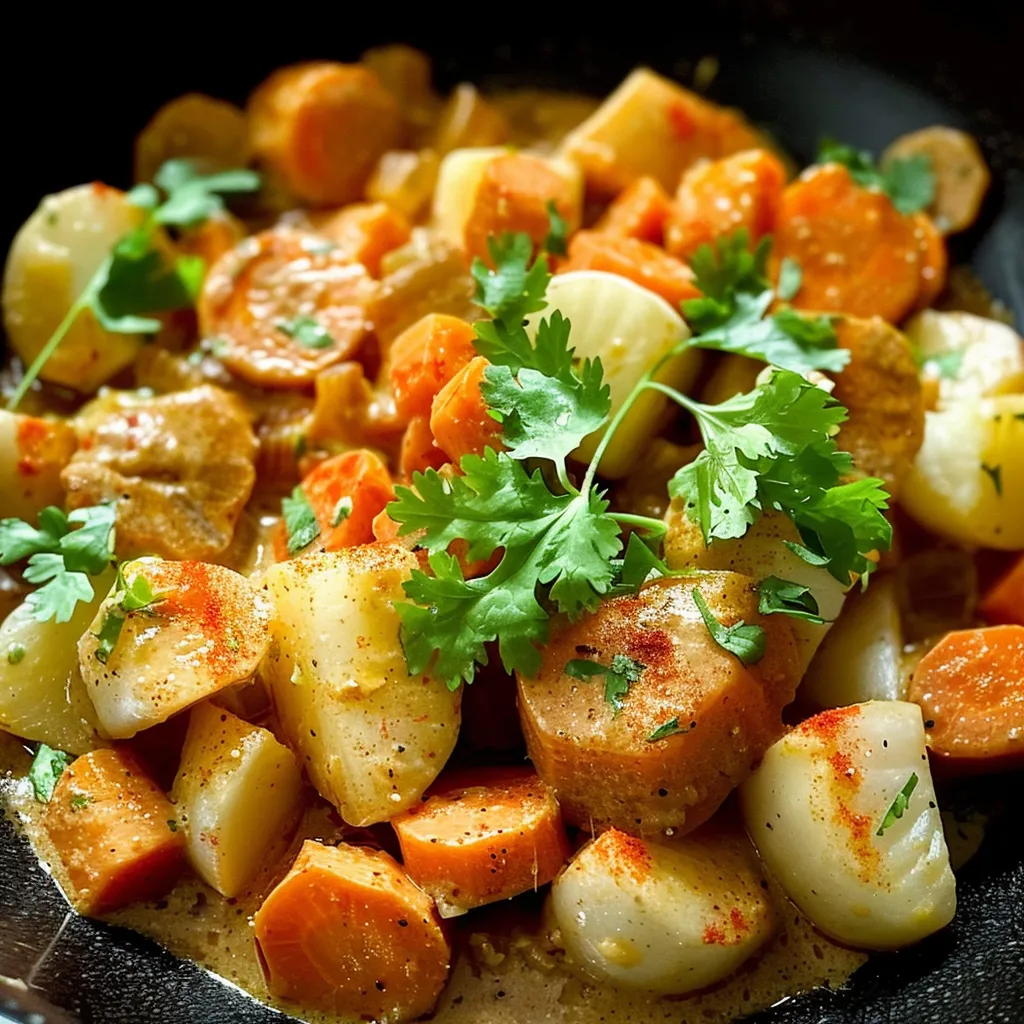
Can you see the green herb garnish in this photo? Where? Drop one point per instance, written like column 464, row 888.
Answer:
column 47, row 767
column 618, row 677
column 898, row 807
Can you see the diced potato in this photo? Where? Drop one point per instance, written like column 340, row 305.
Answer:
column 651, row 125
column 630, row 329
column 861, row 658
column 473, row 195
column 42, row 695
column 815, row 807
column 372, row 737
column 32, row 453
column 666, row 917
column 972, row 356
column 760, row 552
column 205, row 630
column 967, row 482
column 692, row 724
column 469, row 120
column 195, row 126
column 405, row 180
column 238, row 793
column 52, row 259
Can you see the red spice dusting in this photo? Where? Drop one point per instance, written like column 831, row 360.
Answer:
column 842, row 765
column 714, row 935
column 650, row 646
column 829, row 724
column 681, row 121
column 33, row 435
column 620, row 851
column 739, row 922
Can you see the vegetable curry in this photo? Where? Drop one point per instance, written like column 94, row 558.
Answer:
column 506, row 556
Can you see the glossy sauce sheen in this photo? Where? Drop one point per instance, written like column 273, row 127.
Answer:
column 506, row 967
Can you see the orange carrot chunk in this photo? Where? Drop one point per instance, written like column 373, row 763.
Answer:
column 718, row 197
column 418, row 452
column 638, row 211
column 114, row 830
column 646, row 264
column 459, row 419
column 1004, row 602
column 424, row 357
column 858, row 254
column 321, row 127
column 971, row 690
column 347, row 932
column 483, row 836
column 365, row 232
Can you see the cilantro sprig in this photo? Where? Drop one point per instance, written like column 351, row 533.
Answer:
column 908, row 182
column 133, row 595
column 747, row 642
column 899, row 805
column 618, row 677
column 138, row 278
column 61, row 559
column 300, row 522
column 784, row 597
column 46, row 769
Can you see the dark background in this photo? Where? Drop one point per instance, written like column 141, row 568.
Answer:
column 78, row 86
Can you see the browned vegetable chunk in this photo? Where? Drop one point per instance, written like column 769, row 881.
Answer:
column 179, row 465
column 961, row 175
column 881, row 389
column 717, row 716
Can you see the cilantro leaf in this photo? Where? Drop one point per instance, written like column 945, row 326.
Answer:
column 810, row 557
column 342, row 510
column 639, row 563
column 777, row 596
column 746, row 642
column 995, row 474
column 61, row 590
column 558, row 230
column 306, row 331
column 137, row 595
column 730, row 317
column 47, row 767
column 666, row 729
column 19, row 540
column 516, row 288
column 192, row 197
column 899, row 806
column 107, row 635
column 909, row 183
column 90, row 548
column 300, row 520
column 618, row 678
column 791, row 278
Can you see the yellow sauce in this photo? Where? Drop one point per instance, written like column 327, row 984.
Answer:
column 506, row 969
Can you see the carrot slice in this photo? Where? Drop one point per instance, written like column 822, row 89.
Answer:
column 934, row 261
column 483, row 836
column 459, row 419
column 646, row 264
column 345, row 931
column 1004, row 601
column 418, row 449
column 321, row 127
column 513, row 195
column 858, row 254
column 365, row 232
column 638, row 211
column 424, row 357
column 719, row 197
column 115, row 831
column 971, row 690
column 285, row 306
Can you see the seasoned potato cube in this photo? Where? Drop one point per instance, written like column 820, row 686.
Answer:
column 205, row 629
column 237, row 792
column 819, row 809
column 53, row 257
column 652, row 126
column 692, row 724
column 404, row 179
column 630, row 329
column 760, row 552
column 372, row 737
column 666, row 917
column 967, row 482
column 42, row 696
column 485, row 192
column 32, row 454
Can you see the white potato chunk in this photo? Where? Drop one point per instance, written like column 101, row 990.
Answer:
column 238, row 791
column 967, row 482
column 463, row 172
column 42, row 695
column 861, row 658
column 667, row 917
column 206, row 630
column 630, row 329
column 972, row 356
column 760, row 552
column 33, row 452
column 814, row 809
column 372, row 736
column 51, row 260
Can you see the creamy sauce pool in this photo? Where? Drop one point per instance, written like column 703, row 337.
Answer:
column 506, row 969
